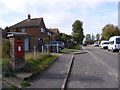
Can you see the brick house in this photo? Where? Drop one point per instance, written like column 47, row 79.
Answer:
column 36, row 30
column 56, row 33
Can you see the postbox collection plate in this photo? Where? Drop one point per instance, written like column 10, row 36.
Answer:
column 19, row 48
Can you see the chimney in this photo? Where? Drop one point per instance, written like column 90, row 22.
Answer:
column 28, row 16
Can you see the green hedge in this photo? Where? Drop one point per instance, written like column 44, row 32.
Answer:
column 5, row 48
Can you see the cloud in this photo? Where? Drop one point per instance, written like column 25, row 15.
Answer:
column 58, row 14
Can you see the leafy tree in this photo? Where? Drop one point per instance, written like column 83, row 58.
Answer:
column 64, row 37
column 77, row 31
column 93, row 37
column 7, row 29
column 88, row 37
column 109, row 31
column 97, row 37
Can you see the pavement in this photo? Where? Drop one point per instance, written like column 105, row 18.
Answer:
column 11, row 80
column 55, row 75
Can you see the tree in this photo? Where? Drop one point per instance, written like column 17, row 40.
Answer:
column 77, row 31
column 109, row 31
column 7, row 29
column 88, row 37
column 97, row 37
column 93, row 37
column 64, row 37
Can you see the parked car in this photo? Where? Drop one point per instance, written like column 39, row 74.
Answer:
column 60, row 44
column 104, row 44
column 96, row 44
column 84, row 44
column 114, row 43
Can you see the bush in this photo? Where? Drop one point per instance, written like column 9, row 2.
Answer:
column 8, row 74
column 6, row 64
column 25, row 84
column 5, row 47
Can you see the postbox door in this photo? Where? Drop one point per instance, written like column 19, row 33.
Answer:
column 19, row 49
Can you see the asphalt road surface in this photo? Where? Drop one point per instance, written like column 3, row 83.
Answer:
column 96, row 68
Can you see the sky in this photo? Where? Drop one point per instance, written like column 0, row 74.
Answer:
column 61, row 14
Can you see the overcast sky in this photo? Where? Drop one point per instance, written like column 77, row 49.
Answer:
column 61, row 14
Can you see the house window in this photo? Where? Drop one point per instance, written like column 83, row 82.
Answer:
column 42, row 30
column 48, row 33
column 23, row 29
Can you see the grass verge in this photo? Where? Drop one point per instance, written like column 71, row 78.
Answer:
column 35, row 66
column 76, row 47
column 40, row 64
column 66, row 51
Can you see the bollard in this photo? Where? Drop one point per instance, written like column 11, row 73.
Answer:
column 57, row 48
column 34, row 52
column 42, row 50
column 47, row 49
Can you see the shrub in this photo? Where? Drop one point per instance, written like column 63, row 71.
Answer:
column 5, row 64
column 25, row 84
column 8, row 74
column 5, row 47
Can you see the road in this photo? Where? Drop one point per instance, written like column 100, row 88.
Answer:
column 96, row 68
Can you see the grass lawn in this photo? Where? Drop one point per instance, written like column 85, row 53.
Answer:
column 76, row 47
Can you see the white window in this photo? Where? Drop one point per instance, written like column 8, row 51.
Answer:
column 48, row 33
column 42, row 30
column 23, row 29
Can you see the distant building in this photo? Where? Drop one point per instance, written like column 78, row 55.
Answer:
column 56, row 33
column 36, row 30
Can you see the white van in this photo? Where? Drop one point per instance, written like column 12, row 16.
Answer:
column 104, row 44
column 114, row 43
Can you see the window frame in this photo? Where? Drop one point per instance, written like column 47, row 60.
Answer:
column 23, row 30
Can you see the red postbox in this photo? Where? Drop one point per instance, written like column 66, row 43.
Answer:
column 17, row 52
column 19, row 49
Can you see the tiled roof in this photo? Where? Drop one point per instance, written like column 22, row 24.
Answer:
column 28, row 23
column 54, row 30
